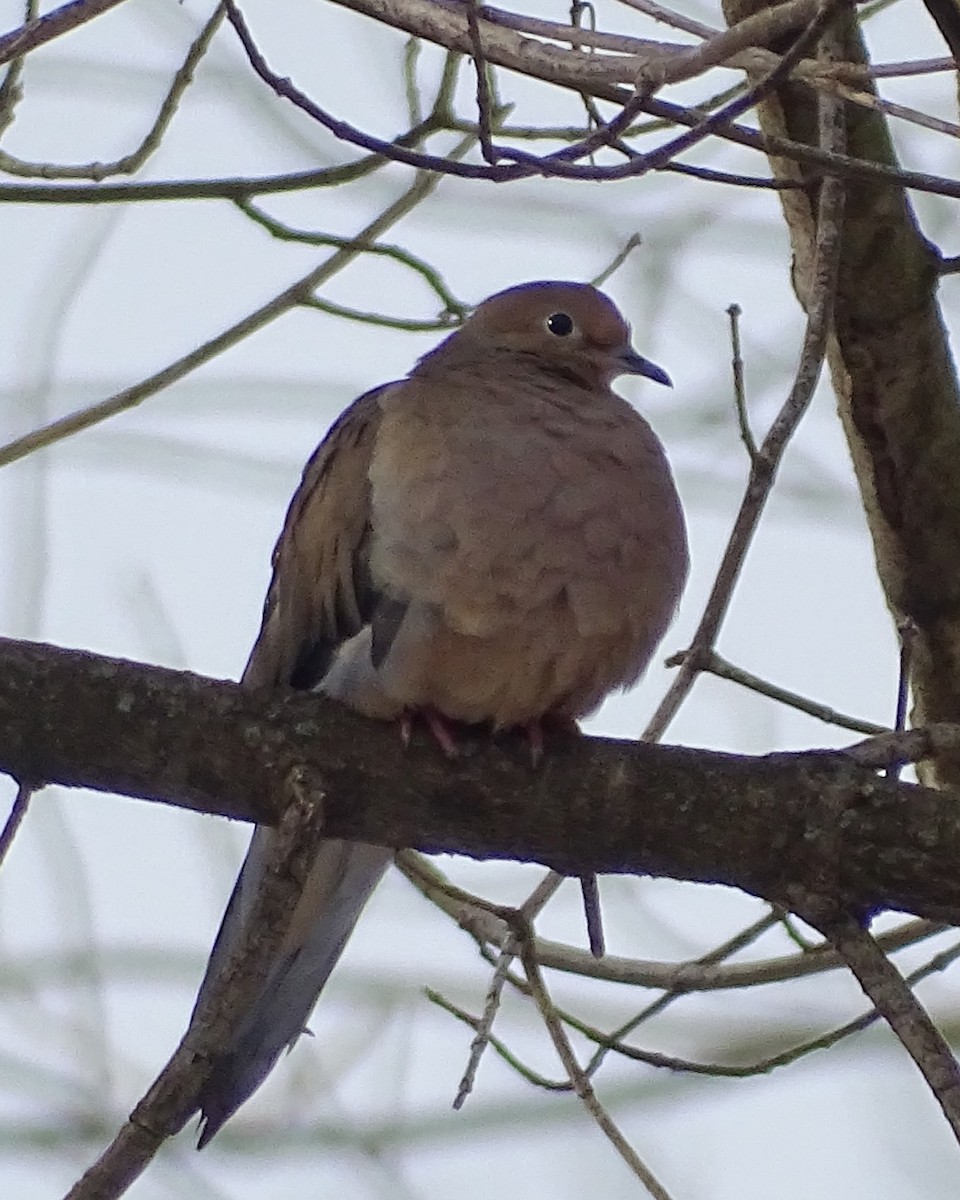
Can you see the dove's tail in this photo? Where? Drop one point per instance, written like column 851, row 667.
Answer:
column 336, row 890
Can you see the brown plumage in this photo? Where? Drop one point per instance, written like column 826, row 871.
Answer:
column 494, row 539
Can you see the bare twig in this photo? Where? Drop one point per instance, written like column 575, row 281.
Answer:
column 612, row 131
column 581, row 1084
column 715, row 664
column 174, row 1096
column 527, row 912
column 633, row 242
column 898, row 70
column 763, row 1066
column 734, row 945
column 613, row 1043
column 764, row 467
column 734, row 312
column 288, row 299
column 594, row 917
column 18, row 811
column 562, row 163
column 502, row 1049
column 475, row 918
column 759, row 30
column 483, row 1027
column 893, row 999
column 411, row 56
column 133, row 161
column 445, row 321
column 451, row 306
column 40, row 30
column 484, row 100
column 732, row 179
column 11, row 92
column 908, row 746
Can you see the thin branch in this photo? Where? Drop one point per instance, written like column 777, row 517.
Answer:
column 611, row 1042
column 740, row 941
column 700, row 975
column 759, row 30
column 893, row 999
column 445, row 321
column 633, row 242
column 593, row 74
column 561, row 164
column 573, row 133
column 734, row 312
column 733, row 179
column 288, row 299
column 11, row 93
column 242, row 188
column 763, row 1066
column 764, row 467
column 13, row 822
column 613, row 130
column 411, row 57
column 715, row 664
column 133, row 161
column 484, row 99
column 581, row 1084
column 899, row 70
column 41, row 30
column 483, row 1028
column 174, row 1096
column 451, row 306
column 817, row 160
column 502, row 1049
column 907, row 746
column 594, row 917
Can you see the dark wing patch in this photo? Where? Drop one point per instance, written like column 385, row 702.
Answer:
column 321, row 592
column 385, row 622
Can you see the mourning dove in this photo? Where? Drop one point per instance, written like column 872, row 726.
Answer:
column 495, row 539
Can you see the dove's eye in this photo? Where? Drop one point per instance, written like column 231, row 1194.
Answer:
column 560, row 324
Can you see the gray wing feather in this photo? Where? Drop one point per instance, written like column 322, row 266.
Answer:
column 321, row 595
column 338, row 887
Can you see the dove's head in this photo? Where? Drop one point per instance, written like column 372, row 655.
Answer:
column 572, row 327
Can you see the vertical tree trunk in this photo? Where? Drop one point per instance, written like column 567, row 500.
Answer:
column 895, row 383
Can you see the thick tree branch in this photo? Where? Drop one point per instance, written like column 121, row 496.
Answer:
column 784, row 826
column 896, row 385
column 897, row 393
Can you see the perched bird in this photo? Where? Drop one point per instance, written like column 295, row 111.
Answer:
column 495, row 539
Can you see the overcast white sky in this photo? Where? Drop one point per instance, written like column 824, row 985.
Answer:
column 149, row 537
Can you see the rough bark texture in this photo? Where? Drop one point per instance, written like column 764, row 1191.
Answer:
column 812, row 831
column 896, row 387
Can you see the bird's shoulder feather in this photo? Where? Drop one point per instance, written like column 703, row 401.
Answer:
column 321, row 592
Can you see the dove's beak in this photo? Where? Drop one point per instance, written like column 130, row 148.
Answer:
column 632, row 363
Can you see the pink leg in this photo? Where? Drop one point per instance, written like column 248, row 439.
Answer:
column 534, row 731
column 437, row 726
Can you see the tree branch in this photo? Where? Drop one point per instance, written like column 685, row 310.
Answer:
column 51, row 25
column 781, row 826
column 895, row 382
